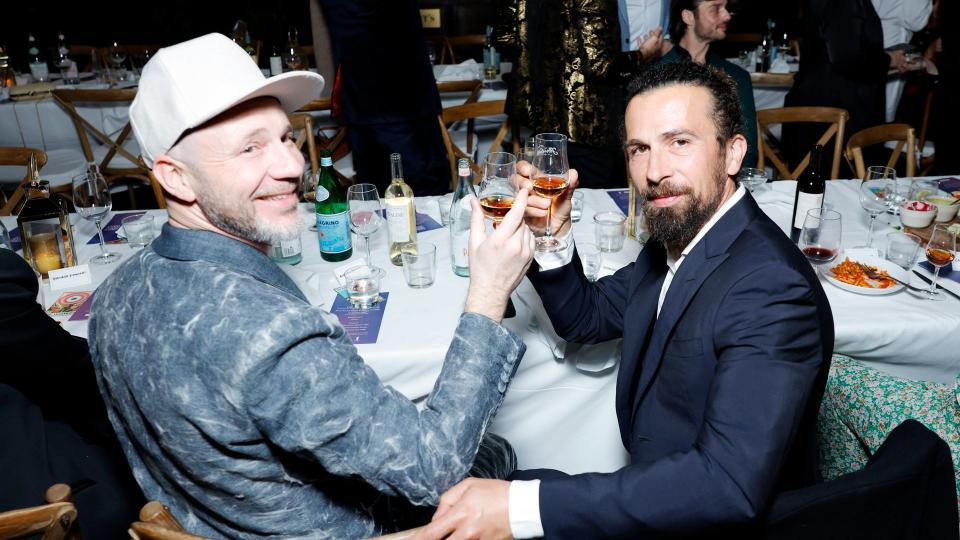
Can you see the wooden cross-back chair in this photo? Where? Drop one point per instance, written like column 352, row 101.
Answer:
column 448, row 55
column 18, row 156
column 471, row 86
column 302, row 124
column 52, row 521
column 469, row 111
column 902, row 134
column 769, row 144
column 127, row 165
column 332, row 136
column 925, row 162
column 157, row 523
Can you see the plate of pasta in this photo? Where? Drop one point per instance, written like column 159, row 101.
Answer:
column 864, row 274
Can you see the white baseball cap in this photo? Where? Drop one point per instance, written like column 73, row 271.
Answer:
column 186, row 84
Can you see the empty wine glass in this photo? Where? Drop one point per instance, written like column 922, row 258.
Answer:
column 902, row 249
column 752, row 178
column 874, row 198
column 117, row 57
column 497, row 189
column 550, row 180
column 91, row 198
column 940, row 252
column 820, row 236
column 365, row 218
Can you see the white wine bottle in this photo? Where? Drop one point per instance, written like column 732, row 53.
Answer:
column 401, row 217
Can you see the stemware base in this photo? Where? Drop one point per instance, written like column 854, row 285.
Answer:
column 927, row 294
column 550, row 244
column 105, row 258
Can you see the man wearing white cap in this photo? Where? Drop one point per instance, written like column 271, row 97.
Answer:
column 238, row 404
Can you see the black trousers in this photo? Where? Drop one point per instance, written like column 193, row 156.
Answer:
column 598, row 167
column 425, row 166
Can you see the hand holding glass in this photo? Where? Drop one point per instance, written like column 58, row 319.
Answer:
column 91, row 198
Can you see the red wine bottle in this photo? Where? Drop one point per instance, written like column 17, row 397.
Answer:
column 810, row 187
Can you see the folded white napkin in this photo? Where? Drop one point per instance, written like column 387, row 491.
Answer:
column 464, row 71
column 307, row 281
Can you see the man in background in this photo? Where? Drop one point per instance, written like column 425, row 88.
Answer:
column 387, row 92
column 697, row 24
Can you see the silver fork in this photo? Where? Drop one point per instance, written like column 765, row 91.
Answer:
column 872, row 273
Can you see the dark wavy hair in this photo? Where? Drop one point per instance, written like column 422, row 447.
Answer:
column 727, row 114
column 677, row 26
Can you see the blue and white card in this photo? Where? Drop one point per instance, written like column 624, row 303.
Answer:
column 363, row 325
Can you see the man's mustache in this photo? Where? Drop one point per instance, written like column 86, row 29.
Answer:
column 664, row 190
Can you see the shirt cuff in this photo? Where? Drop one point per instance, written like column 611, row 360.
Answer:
column 556, row 259
column 524, row 509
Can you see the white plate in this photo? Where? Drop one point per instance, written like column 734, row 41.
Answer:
column 869, row 260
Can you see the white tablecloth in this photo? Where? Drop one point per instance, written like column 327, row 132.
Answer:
column 559, row 411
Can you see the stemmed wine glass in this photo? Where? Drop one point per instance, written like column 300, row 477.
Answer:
column 752, row 178
column 550, row 180
column 874, row 197
column 497, row 190
column 820, row 237
column 117, row 57
column 365, row 218
column 91, row 198
column 940, row 252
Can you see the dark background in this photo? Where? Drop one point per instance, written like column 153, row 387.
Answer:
column 131, row 22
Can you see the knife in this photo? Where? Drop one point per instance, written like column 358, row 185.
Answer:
column 942, row 288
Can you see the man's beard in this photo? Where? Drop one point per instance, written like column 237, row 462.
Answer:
column 243, row 222
column 675, row 226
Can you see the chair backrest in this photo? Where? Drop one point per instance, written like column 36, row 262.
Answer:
column 53, row 521
column 463, row 43
column 907, row 490
column 834, row 117
column 901, row 133
column 19, row 156
column 329, row 136
column 157, row 523
column 302, row 124
column 470, row 111
column 473, row 87
column 134, row 166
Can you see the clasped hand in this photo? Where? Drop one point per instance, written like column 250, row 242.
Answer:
column 536, row 212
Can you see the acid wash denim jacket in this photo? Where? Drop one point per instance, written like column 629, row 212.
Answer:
column 249, row 412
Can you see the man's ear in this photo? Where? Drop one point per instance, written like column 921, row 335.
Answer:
column 171, row 173
column 688, row 19
column 736, row 150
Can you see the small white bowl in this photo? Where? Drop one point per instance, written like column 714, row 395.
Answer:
column 946, row 207
column 917, row 214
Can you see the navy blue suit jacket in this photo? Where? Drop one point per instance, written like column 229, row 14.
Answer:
column 716, row 398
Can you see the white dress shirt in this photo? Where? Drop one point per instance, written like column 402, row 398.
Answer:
column 638, row 18
column 523, row 503
column 899, row 20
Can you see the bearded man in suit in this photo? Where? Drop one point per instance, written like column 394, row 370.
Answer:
column 727, row 336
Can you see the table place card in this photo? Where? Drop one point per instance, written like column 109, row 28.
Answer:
column 363, row 325
column 950, row 184
column 69, row 302
column 945, row 273
column 424, row 222
column 83, row 312
column 71, row 276
column 111, row 228
column 622, row 198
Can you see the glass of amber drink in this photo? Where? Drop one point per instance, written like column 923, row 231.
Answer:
column 941, row 249
column 550, row 181
column 497, row 190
